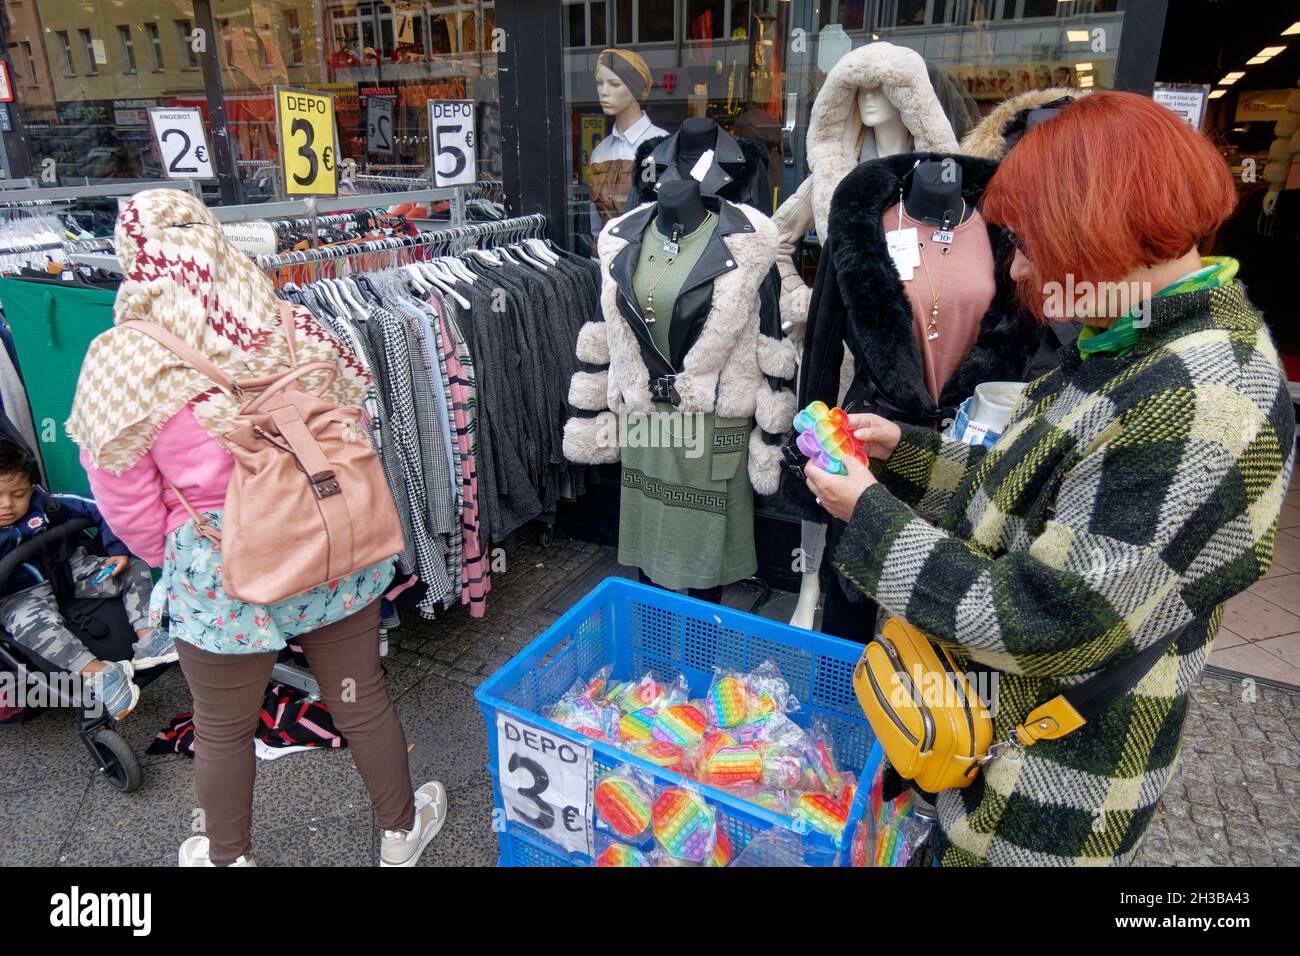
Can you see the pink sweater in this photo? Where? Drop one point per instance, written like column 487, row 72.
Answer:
column 139, row 507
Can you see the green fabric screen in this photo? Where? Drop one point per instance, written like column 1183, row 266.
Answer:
column 52, row 327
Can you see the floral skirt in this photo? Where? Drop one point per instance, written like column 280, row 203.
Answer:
column 199, row 611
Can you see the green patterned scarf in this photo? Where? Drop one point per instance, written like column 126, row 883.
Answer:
column 1118, row 340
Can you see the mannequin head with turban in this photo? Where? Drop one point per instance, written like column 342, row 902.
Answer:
column 622, row 83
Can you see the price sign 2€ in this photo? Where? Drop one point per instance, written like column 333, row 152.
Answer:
column 304, row 123
column 546, row 783
column 182, row 143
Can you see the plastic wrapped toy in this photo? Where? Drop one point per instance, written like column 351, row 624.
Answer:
column 685, row 825
column 681, row 724
column 623, row 804
column 826, row 813
column 826, row 438
column 661, row 754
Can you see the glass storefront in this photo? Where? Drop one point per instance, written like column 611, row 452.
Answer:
column 756, row 66
column 86, row 73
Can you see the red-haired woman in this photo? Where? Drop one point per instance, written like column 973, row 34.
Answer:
column 1135, row 490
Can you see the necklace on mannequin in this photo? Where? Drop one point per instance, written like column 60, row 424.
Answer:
column 650, row 290
column 932, row 328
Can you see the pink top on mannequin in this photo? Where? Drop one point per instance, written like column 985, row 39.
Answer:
column 966, row 286
column 143, row 509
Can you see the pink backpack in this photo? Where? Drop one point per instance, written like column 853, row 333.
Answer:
column 307, row 500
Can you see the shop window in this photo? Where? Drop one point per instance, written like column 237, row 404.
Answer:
column 623, row 21
column 294, row 35
column 88, row 44
column 655, row 21
column 155, row 47
column 910, row 13
column 705, row 19
column 31, row 64
column 576, row 34
column 850, row 14
column 128, row 49
column 1038, row 8
column 189, row 59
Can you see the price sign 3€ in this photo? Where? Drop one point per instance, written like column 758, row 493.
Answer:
column 546, row 783
column 309, row 160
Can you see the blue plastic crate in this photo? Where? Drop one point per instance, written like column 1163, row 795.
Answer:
column 636, row 628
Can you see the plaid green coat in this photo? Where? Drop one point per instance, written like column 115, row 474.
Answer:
column 1126, row 497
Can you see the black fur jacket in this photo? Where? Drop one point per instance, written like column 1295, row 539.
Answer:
column 859, row 301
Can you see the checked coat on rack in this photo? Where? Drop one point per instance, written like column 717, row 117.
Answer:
column 728, row 354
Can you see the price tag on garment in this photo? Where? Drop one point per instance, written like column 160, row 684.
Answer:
column 702, row 166
column 182, row 143
column 453, row 140
column 942, row 235
column 903, row 251
column 309, row 146
column 546, row 783
column 379, row 125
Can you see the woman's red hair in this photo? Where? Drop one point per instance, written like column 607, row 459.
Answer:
column 1114, row 182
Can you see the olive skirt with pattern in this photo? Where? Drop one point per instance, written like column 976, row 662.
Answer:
column 686, row 516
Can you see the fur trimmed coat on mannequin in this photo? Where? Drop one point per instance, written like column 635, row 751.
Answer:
column 988, row 140
column 835, row 142
column 729, row 357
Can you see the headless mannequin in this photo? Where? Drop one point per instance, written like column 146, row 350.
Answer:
column 681, row 211
column 885, row 135
column 933, row 194
column 681, row 208
column 694, row 138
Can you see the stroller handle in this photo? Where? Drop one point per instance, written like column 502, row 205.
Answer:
column 32, row 547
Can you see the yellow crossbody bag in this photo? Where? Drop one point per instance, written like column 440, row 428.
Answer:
column 932, row 725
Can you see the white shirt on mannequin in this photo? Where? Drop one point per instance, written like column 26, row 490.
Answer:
column 620, row 144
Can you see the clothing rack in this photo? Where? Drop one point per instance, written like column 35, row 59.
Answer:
column 448, row 238
column 295, row 208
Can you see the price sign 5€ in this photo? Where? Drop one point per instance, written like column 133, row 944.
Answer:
column 182, row 143
column 304, row 123
column 452, row 142
column 546, row 783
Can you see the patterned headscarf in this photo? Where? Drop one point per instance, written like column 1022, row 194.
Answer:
column 180, row 272
column 631, row 70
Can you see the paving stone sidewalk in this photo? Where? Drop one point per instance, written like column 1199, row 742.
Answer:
column 1233, row 800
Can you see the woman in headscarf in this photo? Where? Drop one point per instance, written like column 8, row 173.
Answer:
column 147, row 421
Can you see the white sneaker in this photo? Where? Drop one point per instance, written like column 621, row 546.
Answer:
column 194, row 852
column 403, row 847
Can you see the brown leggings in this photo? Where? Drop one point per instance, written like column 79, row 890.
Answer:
column 229, row 690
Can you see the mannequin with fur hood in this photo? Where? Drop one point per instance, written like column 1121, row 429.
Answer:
column 838, row 142
column 733, row 362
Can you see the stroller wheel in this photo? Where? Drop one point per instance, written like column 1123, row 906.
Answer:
column 120, row 767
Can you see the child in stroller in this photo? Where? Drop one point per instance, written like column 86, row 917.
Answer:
column 32, row 595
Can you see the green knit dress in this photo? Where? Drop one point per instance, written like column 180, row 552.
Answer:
column 686, row 516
